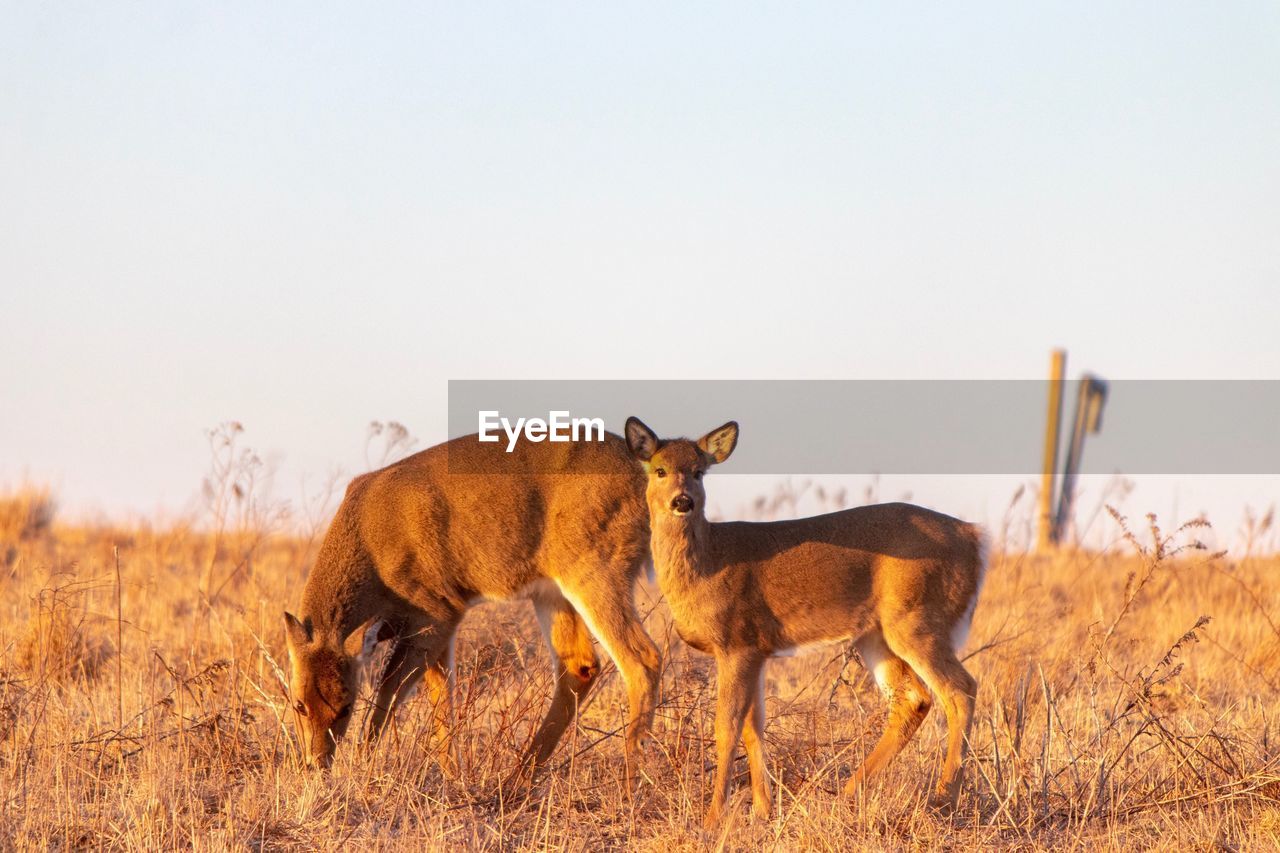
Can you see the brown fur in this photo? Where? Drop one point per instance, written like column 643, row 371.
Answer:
column 415, row 543
column 897, row 578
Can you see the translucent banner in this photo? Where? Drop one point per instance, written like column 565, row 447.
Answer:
column 1185, row 427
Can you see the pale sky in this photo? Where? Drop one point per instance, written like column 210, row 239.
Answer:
column 306, row 217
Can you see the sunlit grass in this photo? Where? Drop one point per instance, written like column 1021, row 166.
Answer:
column 1109, row 714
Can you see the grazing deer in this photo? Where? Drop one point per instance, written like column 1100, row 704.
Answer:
column 902, row 581
column 414, row 544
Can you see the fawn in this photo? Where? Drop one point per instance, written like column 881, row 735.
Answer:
column 415, row 543
column 900, row 580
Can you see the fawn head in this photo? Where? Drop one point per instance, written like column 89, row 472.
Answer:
column 675, row 467
column 323, row 673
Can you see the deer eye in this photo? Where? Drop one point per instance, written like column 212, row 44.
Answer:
column 661, row 472
column 300, row 708
column 697, row 475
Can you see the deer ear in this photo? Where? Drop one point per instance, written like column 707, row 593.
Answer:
column 720, row 442
column 641, row 441
column 360, row 642
column 296, row 634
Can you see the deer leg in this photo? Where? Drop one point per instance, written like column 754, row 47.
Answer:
column 753, row 740
column 406, row 666
column 403, row 669
column 936, row 663
column 737, row 681
column 576, row 668
column 909, row 703
column 439, row 682
column 610, row 613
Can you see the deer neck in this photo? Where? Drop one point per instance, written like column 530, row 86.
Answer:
column 681, row 551
column 333, row 601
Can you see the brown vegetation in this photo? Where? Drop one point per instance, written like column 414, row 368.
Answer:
column 1127, row 699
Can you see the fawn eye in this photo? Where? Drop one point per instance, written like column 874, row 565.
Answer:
column 661, row 472
column 300, row 708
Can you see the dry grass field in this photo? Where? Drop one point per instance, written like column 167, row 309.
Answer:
column 1128, row 699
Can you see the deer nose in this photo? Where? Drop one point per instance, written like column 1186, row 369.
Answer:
column 320, row 761
column 682, row 503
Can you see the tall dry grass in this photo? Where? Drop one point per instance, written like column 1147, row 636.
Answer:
column 1128, row 698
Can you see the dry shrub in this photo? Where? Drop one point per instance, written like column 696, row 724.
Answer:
column 58, row 645
column 1109, row 716
column 1266, row 827
column 12, row 695
column 26, row 514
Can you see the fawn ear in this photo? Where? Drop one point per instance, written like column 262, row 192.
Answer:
column 641, row 440
column 720, row 442
column 360, row 642
column 296, row 634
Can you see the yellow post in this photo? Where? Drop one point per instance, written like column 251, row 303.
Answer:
column 1057, row 367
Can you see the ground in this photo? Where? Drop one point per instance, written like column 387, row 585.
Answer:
column 1127, row 699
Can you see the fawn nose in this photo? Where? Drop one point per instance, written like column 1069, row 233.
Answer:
column 682, row 503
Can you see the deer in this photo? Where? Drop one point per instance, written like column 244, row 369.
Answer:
column 416, row 543
column 900, row 581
